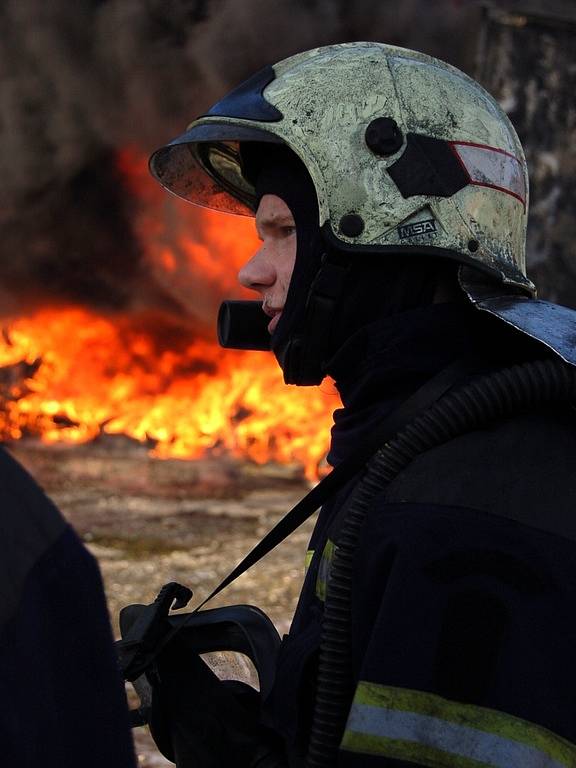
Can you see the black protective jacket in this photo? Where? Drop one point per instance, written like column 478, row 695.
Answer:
column 62, row 701
column 464, row 582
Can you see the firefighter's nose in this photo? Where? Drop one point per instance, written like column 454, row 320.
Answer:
column 258, row 273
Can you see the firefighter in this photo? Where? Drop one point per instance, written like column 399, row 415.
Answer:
column 436, row 624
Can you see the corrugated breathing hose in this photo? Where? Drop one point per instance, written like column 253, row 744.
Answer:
column 486, row 399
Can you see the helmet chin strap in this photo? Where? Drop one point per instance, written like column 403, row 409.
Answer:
column 303, row 356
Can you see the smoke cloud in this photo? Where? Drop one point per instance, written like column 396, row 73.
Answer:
column 80, row 80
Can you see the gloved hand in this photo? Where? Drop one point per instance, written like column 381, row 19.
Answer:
column 199, row 721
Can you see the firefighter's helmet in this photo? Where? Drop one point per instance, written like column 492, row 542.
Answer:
column 406, row 153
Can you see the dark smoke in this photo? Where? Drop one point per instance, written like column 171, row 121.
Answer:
column 81, row 79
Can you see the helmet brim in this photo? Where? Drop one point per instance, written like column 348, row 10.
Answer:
column 204, row 165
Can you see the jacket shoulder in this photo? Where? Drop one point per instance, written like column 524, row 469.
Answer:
column 522, row 468
column 29, row 526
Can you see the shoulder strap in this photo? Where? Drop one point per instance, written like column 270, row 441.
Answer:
column 421, row 399
column 410, row 408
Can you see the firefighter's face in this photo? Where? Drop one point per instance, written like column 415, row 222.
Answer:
column 269, row 271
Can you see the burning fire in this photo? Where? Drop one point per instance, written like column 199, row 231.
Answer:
column 70, row 374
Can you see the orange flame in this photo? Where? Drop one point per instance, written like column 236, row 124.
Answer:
column 147, row 376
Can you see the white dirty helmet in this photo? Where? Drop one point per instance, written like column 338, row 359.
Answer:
column 406, row 153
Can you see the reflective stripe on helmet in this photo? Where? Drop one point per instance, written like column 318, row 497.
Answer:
column 491, row 167
column 429, row 730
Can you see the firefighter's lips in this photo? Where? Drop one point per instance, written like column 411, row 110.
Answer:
column 275, row 315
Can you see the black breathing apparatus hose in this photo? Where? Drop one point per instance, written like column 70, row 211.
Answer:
column 486, row 399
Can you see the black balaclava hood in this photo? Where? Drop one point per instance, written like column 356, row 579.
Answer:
column 279, row 172
column 373, row 286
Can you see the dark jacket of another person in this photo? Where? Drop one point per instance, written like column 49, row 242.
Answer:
column 62, row 701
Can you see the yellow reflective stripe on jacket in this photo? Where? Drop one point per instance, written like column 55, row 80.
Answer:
column 308, row 560
column 432, row 731
column 324, row 570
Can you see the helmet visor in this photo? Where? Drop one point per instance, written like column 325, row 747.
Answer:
column 204, row 166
